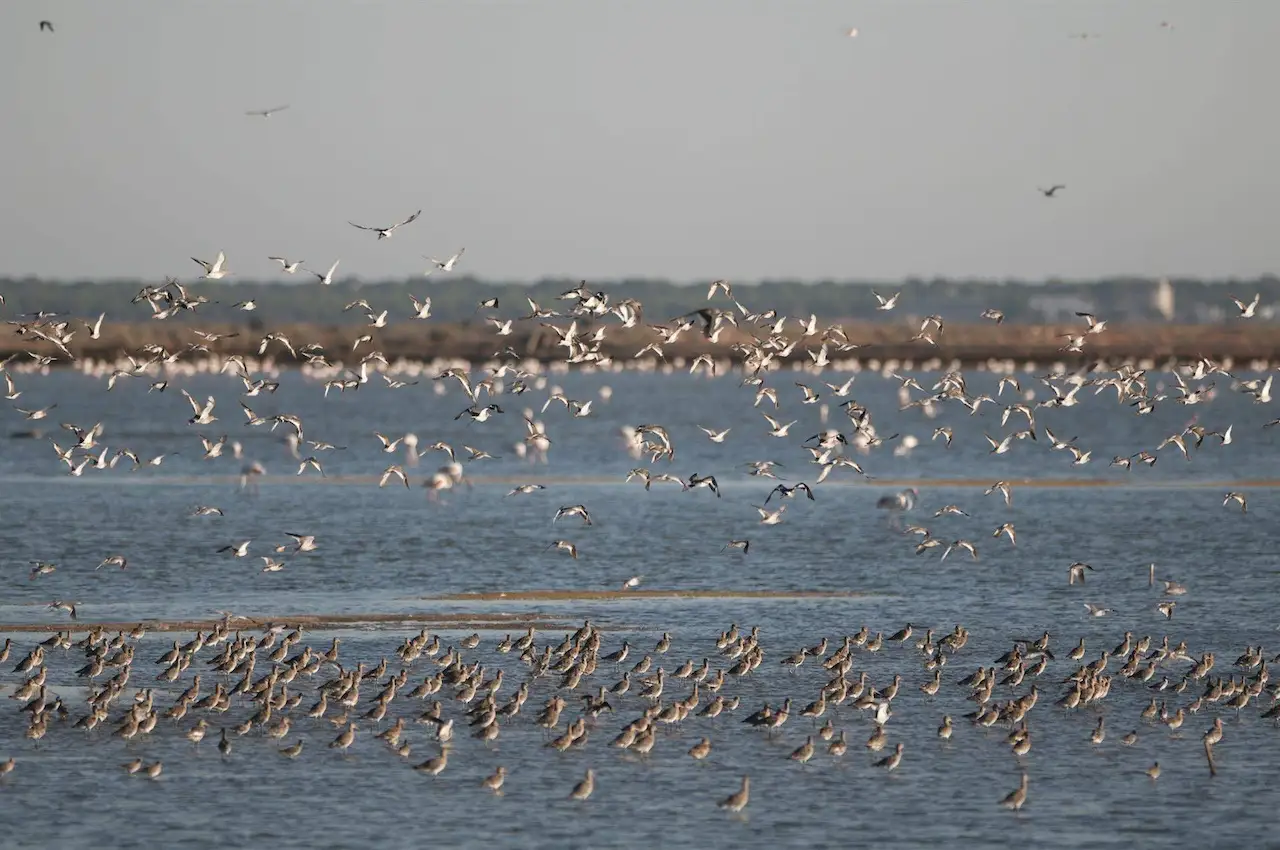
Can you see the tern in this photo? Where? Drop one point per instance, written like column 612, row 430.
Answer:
column 385, row 232
column 1247, row 310
column 446, row 266
column 886, row 303
column 288, row 266
column 266, row 113
column 327, row 278
column 214, row 270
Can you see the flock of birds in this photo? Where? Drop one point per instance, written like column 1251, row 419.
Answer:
column 241, row 684
column 232, row 684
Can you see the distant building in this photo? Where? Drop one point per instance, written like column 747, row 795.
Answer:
column 1162, row 299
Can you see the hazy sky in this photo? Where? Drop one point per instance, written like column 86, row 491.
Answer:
column 667, row 138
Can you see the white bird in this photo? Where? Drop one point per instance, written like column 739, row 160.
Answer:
column 421, row 309
column 327, row 277
column 95, row 330
column 447, row 265
column 1247, row 310
column 214, row 270
column 716, row 436
column 385, row 232
column 288, row 266
column 886, row 303
column 266, row 113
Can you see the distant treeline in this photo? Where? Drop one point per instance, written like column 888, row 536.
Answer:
column 455, row 298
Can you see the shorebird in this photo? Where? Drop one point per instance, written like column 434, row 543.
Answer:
column 1247, row 310
column 574, row 510
column 886, row 303
column 1075, row 572
column 1018, row 797
column 583, row 789
column 1239, row 497
column 738, row 800
column 327, row 277
column 385, row 232
column 303, row 542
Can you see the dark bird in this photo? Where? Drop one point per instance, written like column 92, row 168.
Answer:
column 1049, row 193
column 46, row 25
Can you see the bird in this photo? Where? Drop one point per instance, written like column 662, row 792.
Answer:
column 214, row 270
column 737, row 801
column 288, row 266
column 385, row 232
column 1247, row 311
column 583, row 789
column 1075, row 572
column 1052, row 190
column 266, row 113
column 46, row 25
column 1016, row 798
column 437, row 265
column 886, row 303
column 1238, row 497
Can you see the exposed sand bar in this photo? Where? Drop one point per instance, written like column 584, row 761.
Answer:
column 584, row 595
column 968, row 344
column 478, row 622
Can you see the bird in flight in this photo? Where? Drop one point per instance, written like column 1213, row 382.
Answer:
column 46, row 25
column 214, row 270
column 447, row 265
column 1052, row 190
column 385, row 232
column 267, row 113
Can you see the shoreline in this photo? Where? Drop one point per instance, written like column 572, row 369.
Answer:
column 967, row 344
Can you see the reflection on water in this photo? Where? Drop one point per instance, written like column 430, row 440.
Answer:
column 832, row 566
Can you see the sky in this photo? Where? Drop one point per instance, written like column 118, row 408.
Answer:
column 679, row 139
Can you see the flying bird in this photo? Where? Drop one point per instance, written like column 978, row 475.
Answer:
column 46, row 25
column 447, row 265
column 267, row 113
column 214, row 270
column 385, row 232
column 1052, row 190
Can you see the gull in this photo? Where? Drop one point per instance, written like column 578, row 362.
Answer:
column 526, row 488
column 114, row 561
column 715, row 436
column 266, row 113
column 1007, row 528
column 327, row 277
column 446, row 266
column 1247, row 310
column 770, row 518
column 239, row 550
column 1095, row 327
column 1239, row 497
column 214, row 270
column 574, row 510
column 1096, row 610
column 886, row 303
column 1075, row 572
column 1052, row 190
column 287, row 266
column 396, row 471
column 385, row 232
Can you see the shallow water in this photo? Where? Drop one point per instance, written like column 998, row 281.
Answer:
column 391, row 551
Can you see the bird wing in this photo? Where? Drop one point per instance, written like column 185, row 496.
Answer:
column 409, row 219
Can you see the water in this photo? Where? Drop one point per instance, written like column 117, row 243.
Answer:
column 391, row 551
